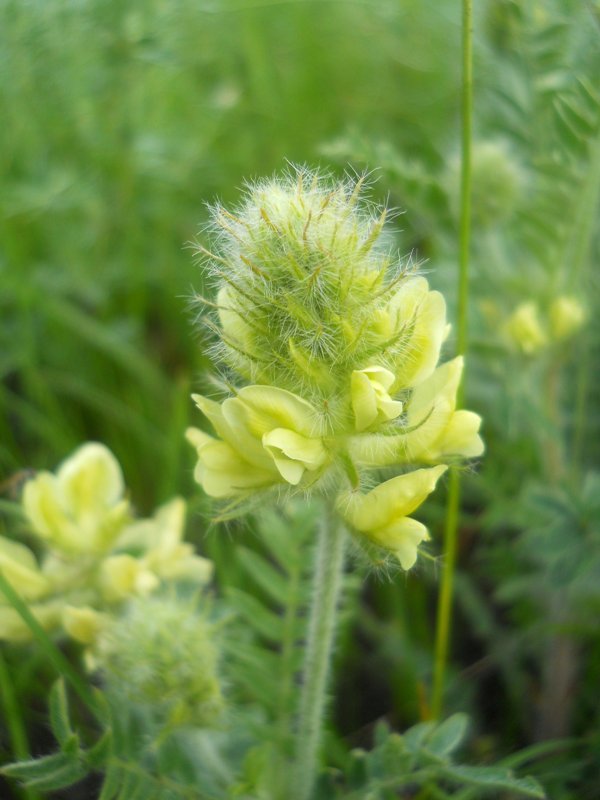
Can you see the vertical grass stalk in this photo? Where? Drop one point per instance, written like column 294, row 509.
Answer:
column 47, row 646
column 329, row 564
column 14, row 722
column 452, row 513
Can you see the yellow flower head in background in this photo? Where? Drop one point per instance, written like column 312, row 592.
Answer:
column 92, row 554
column 330, row 348
column 531, row 332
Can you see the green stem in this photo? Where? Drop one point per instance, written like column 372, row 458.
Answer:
column 14, row 722
column 327, row 581
column 452, row 513
column 47, row 645
column 580, row 258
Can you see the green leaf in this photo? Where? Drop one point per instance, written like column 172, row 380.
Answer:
column 415, row 736
column 266, row 623
column 59, row 712
column 447, row 736
column 35, row 767
column 60, row 778
column 264, row 574
column 493, row 778
column 98, row 755
column 112, row 781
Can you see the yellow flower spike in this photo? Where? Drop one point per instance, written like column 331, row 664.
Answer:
column 382, row 514
column 123, row 575
column 525, row 330
column 567, row 316
column 83, row 624
column 417, row 317
column 81, row 508
column 21, row 569
column 370, row 399
column 338, row 340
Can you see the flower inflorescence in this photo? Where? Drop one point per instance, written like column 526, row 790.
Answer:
column 330, row 347
column 93, row 554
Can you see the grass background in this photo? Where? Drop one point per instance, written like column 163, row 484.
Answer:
column 122, row 119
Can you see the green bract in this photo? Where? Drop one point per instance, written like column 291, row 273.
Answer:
column 339, row 344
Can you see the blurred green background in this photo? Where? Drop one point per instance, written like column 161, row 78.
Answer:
column 121, row 119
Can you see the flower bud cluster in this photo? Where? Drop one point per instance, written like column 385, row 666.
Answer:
column 160, row 658
column 530, row 333
column 330, row 349
column 94, row 554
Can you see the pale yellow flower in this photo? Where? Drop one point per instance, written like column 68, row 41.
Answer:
column 567, row 316
column 525, row 330
column 413, row 326
column 21, row 569
column 83, row 624
column 435, row 430
column 159, row 540
column 122, row 576
column 267, row 435
column 382, row 515
column 81, row 509
column 371, row 402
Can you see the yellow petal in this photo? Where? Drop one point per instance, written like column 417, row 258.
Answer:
column 18, row 563
column 567, row 316
column 123, row 575
column 370, row 399
column 420, row 317
column 42, row 506
column 429, row 411
column 364, row 404
column 222, row 473
column 293, row 453
column 246, row 432
column 389, row 501
column 90, row 480
column 269, row 407
column 525, row 330
column 402, row 537
column 213, row 411
column 461, row 437
column 83, row 624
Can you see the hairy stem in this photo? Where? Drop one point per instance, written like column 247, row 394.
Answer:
column 452, row 514
column 329, row 564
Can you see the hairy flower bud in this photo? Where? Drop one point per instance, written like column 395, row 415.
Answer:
column 339, row 343
column 160, row 656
